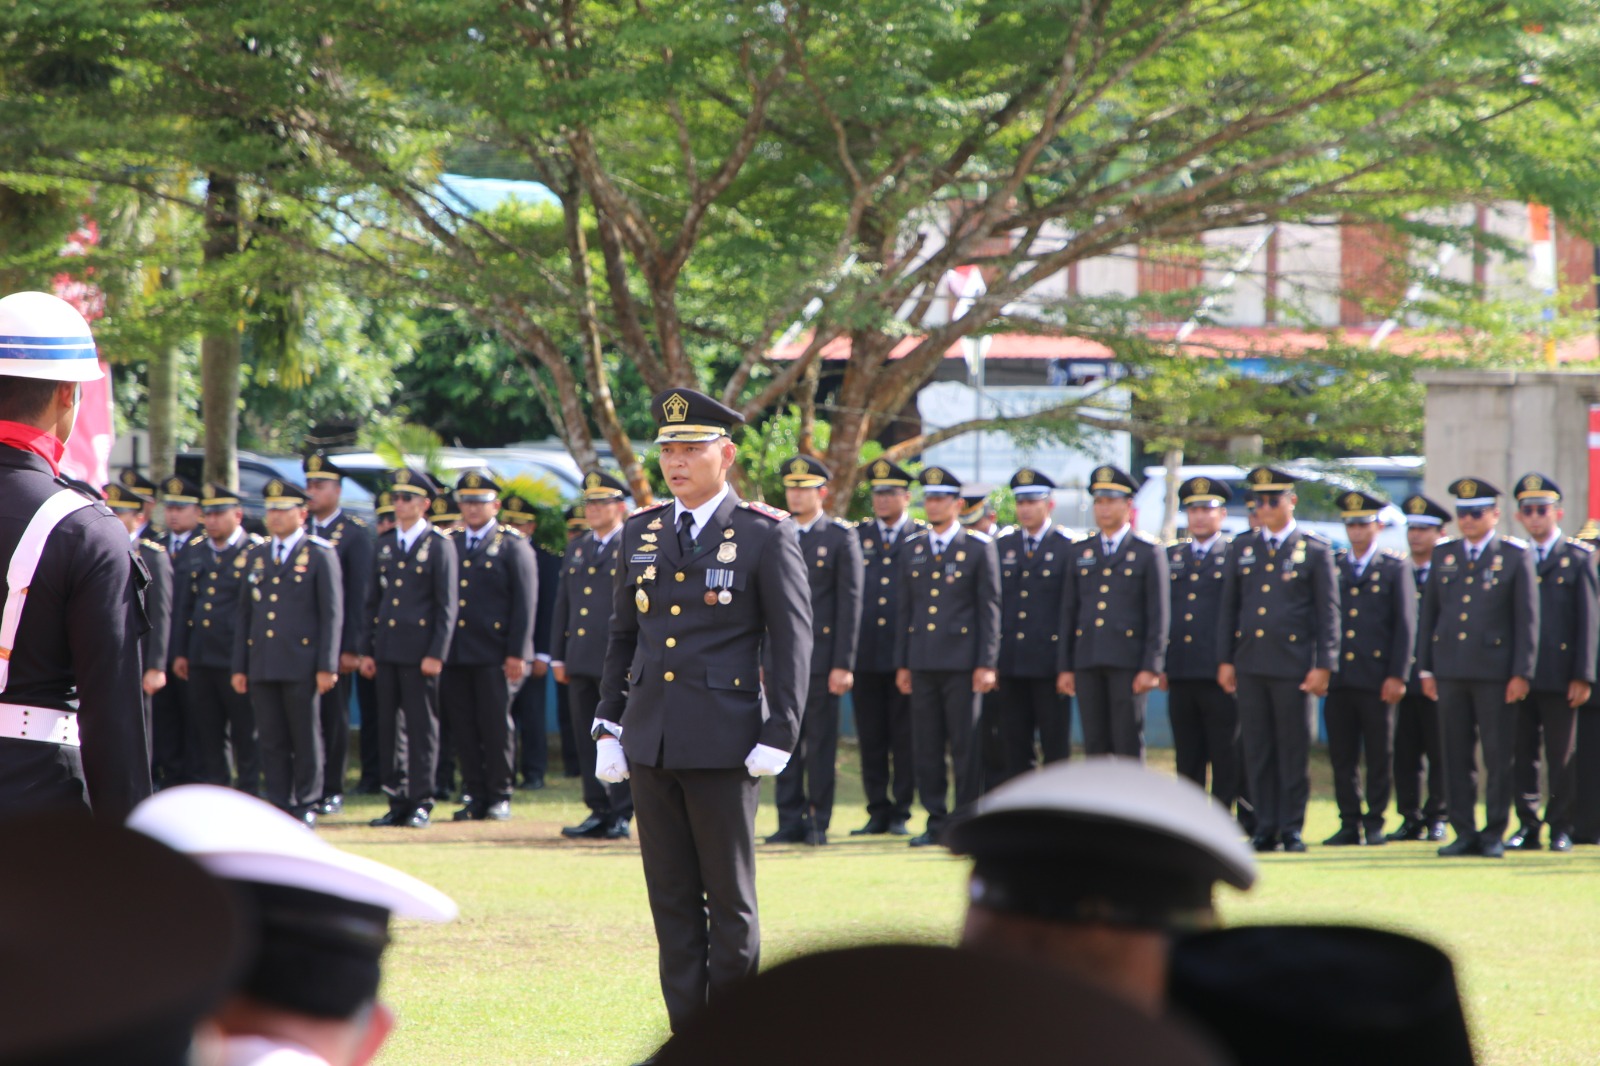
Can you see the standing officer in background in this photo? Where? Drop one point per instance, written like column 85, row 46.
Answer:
column 707, row 582
column 491, row 650
column 1033, row 576
column 832, row 556
column 129, row 507
column 977, row 514
column 180, row 505
column 883, row 712
column 173, row 748
column 1480, row 636
column 528, row 713
column 1205, row 719
column 1278, row 642
column 286, row 648
column 1379, row 596
column 580, row 632
column 138, row 505
column 947, row 647
column 1586, row 752
column 207, row 606
column 412, row 601
column 1113, row 621
column 1416, row 731
column 977, row 511
column 1563, row 672
column 352, row 541
column 72, row 725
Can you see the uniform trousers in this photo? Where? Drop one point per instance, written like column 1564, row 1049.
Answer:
column 1473, row 713
column 333, row 708
column 883, row 726
column 1029, row 707
column 697, row 839
column 36, row 777
column 408, row 733
column 289, row 725
column 991, row 741
column 1112, row 716
column 1360, row 725
column 1586, row 762
column 223, row 718
column 169, row 727
column 529, row 715
column 804, row 790
column 944, row 713
column 371, row 753
column 569, row 740
column 1275, row 726
column 1545, row 715
column 477, row 699
column 1416, row 738
column 613, row 803
column 444, row 769
column 1205, row 732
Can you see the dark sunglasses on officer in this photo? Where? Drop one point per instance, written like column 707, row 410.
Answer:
column 1536, row 508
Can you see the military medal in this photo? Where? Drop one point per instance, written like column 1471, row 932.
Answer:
column 656, row 524
column 650, row 572
column 711, row 598
column 727, row 552
column 718, row 582
column 641, row 600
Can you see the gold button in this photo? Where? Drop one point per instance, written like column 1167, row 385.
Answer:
column 916, row 573
column 933, row 592
column 1461, row 636
column 1292, row 638
column 1261, row 632
column 1100, row 606
column 422, row 621
column 1105, row 588
column 463, row 584
column 826, row 630
column 276, row 581
column 391, row 622
column 208, row 607
column 1106, row 572
column 1349, row 632
column 883, row 581
column 1269, row 568
column 272, row 616
column 213, row 575
column 463, row 603
column 1466, row 599
column 1187, row 639
column 1021, row 615
column 461, row 624
column 588, row 591
column 883, row 621
column 269, row 632
column 591, row 569
column 1266, row 588
column 582, row 633
column 1099, row 621
column 672, row 642
column 736, row 682
column 394, row 603
column 678, row 576
column 1261, row 610
column 1355, row 592
column 1349, row 656
column 397, row 581
column 679, row 610
column 583, row 612
column 1377, row 655
column 931, row 627
column 933, row 610
column 669, row 676
column 882, row 601
column 1463, row 616
column 1191, row 595
column 1188, row 618
column 206, row 622
column 1194, row 577
column 273, row 597
column 1024, row 593
column 212, row 591
column 1352, row 612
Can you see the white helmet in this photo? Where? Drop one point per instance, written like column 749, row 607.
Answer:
column 42, row 336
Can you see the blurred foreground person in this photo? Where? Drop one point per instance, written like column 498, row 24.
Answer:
column 321, row 917
column 1093, row 867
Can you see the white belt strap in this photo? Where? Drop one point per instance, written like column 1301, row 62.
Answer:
column 24, row 561
column 38, row 723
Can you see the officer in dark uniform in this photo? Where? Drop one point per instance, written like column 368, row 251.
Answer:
column 492, row 649
column 580, row 632
column 174, row 750
column 1379, row 595
column 180, row 506
column 707, row 581
column 1278, row 643
column 207, row 604
column 1205, row 719
column 1480, row 638
column 1564, row 671
column 444, row 514
column 1586, row 753
column 978, row 514
column 528, row 712
column 383, row 513
column 412, row 602
column 139, row 504
column 286, row 648
column 1113, row 621
column 1033, row 575
column 72, row 726
column 129, row 506
column 577, row 523
column 947, row 646
column 371, row 781
column 1416, row 731
column 883, row 712
column 832, row 555
column 352, row 539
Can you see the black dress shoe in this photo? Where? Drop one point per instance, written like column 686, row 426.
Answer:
column 533, row 782
column 392, row 817
column 1436, row 831
column 789, row 834
column 618, row 830
column 1524, row 839
column 923, row 840
column 467, row 814
column 307, row 816
column 816, row 837
column 1292, row 842
column 1460, row 846
column 1373, row 838
column 417, row 819
column 898, row 828
column 1265, row 844
column 1491, row 848
column 1410, row 830
column 592, row 826
column 331, row 804
column 1344, row 838
column 498, row 812
column 1560, row 842
column 874, row 827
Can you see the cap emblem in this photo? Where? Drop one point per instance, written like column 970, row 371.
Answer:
column 935, row 476
column 1201, row 486
column 1416, row 505
column 129, row 478
column 880, row 469
column 174, row 486
column 1262, row 476
column 314, row 463
column 1532, row 481
column 1105, row 473
column 799, row 467
column 1466, row 488
column 1025, row 477
column 676, row 408
column 274, row 488
column 1352, row 501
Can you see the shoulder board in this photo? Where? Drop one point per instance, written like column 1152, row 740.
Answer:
column 647, row 509
column 1140, row 534
column 146, row 542
column 508, row 531
column 436, row 531
column 762, row 509
column 324, row 541
column 915, row 533
column 1443, row 541
column 842, row 524
column 1583, row 546
column 1341, row 553
column 196, row 539
column 1313, row 535
column 1062, row 531
column 256, row 538
column 451, row 532
column 919, row 525
column 1516, row 542
column 981, row 538
column 1393, row 554
column 356, row 520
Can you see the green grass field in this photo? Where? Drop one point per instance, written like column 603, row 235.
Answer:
column 553, row 958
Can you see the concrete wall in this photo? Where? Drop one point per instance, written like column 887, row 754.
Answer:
column 1501, row 424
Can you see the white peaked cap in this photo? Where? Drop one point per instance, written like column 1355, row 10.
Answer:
column 240, row 838
column 42, row 336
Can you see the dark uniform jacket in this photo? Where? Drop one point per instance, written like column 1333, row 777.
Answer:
column 682, row 677
column 547, row 568
column 1480, row 620
column 352, row 540
column 291, row 622
column 1379, row 615
column 583, row 604
column 1195, row 606
column 498, row 587
column 208, row 601
column 412, row 598
column 1280, row 611
column 1114, row 608
column 950, row 604
column 1031, row 588
column 77, row 649
column 157, row 604
column 832, row 554
column 880, row 594
column 1567, row 615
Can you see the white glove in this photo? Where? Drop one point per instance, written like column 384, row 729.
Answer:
column 610, row 764
column 765, row 762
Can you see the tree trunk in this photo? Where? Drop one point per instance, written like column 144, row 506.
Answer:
column 163, row 398
column 1172, row 461
column 220, row 348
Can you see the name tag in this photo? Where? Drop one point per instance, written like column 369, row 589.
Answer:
column 643, row 558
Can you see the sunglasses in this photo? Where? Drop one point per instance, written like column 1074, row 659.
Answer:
column 1471, row 512
column 1269, row 499
column 1535, row 508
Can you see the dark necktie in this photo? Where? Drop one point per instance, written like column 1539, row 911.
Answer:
column 888, row 536
column 685, row 524
column 1109, row 548
column 1033, row 546
column 278, row 554
column 1544, row 550
column 1422, row 576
